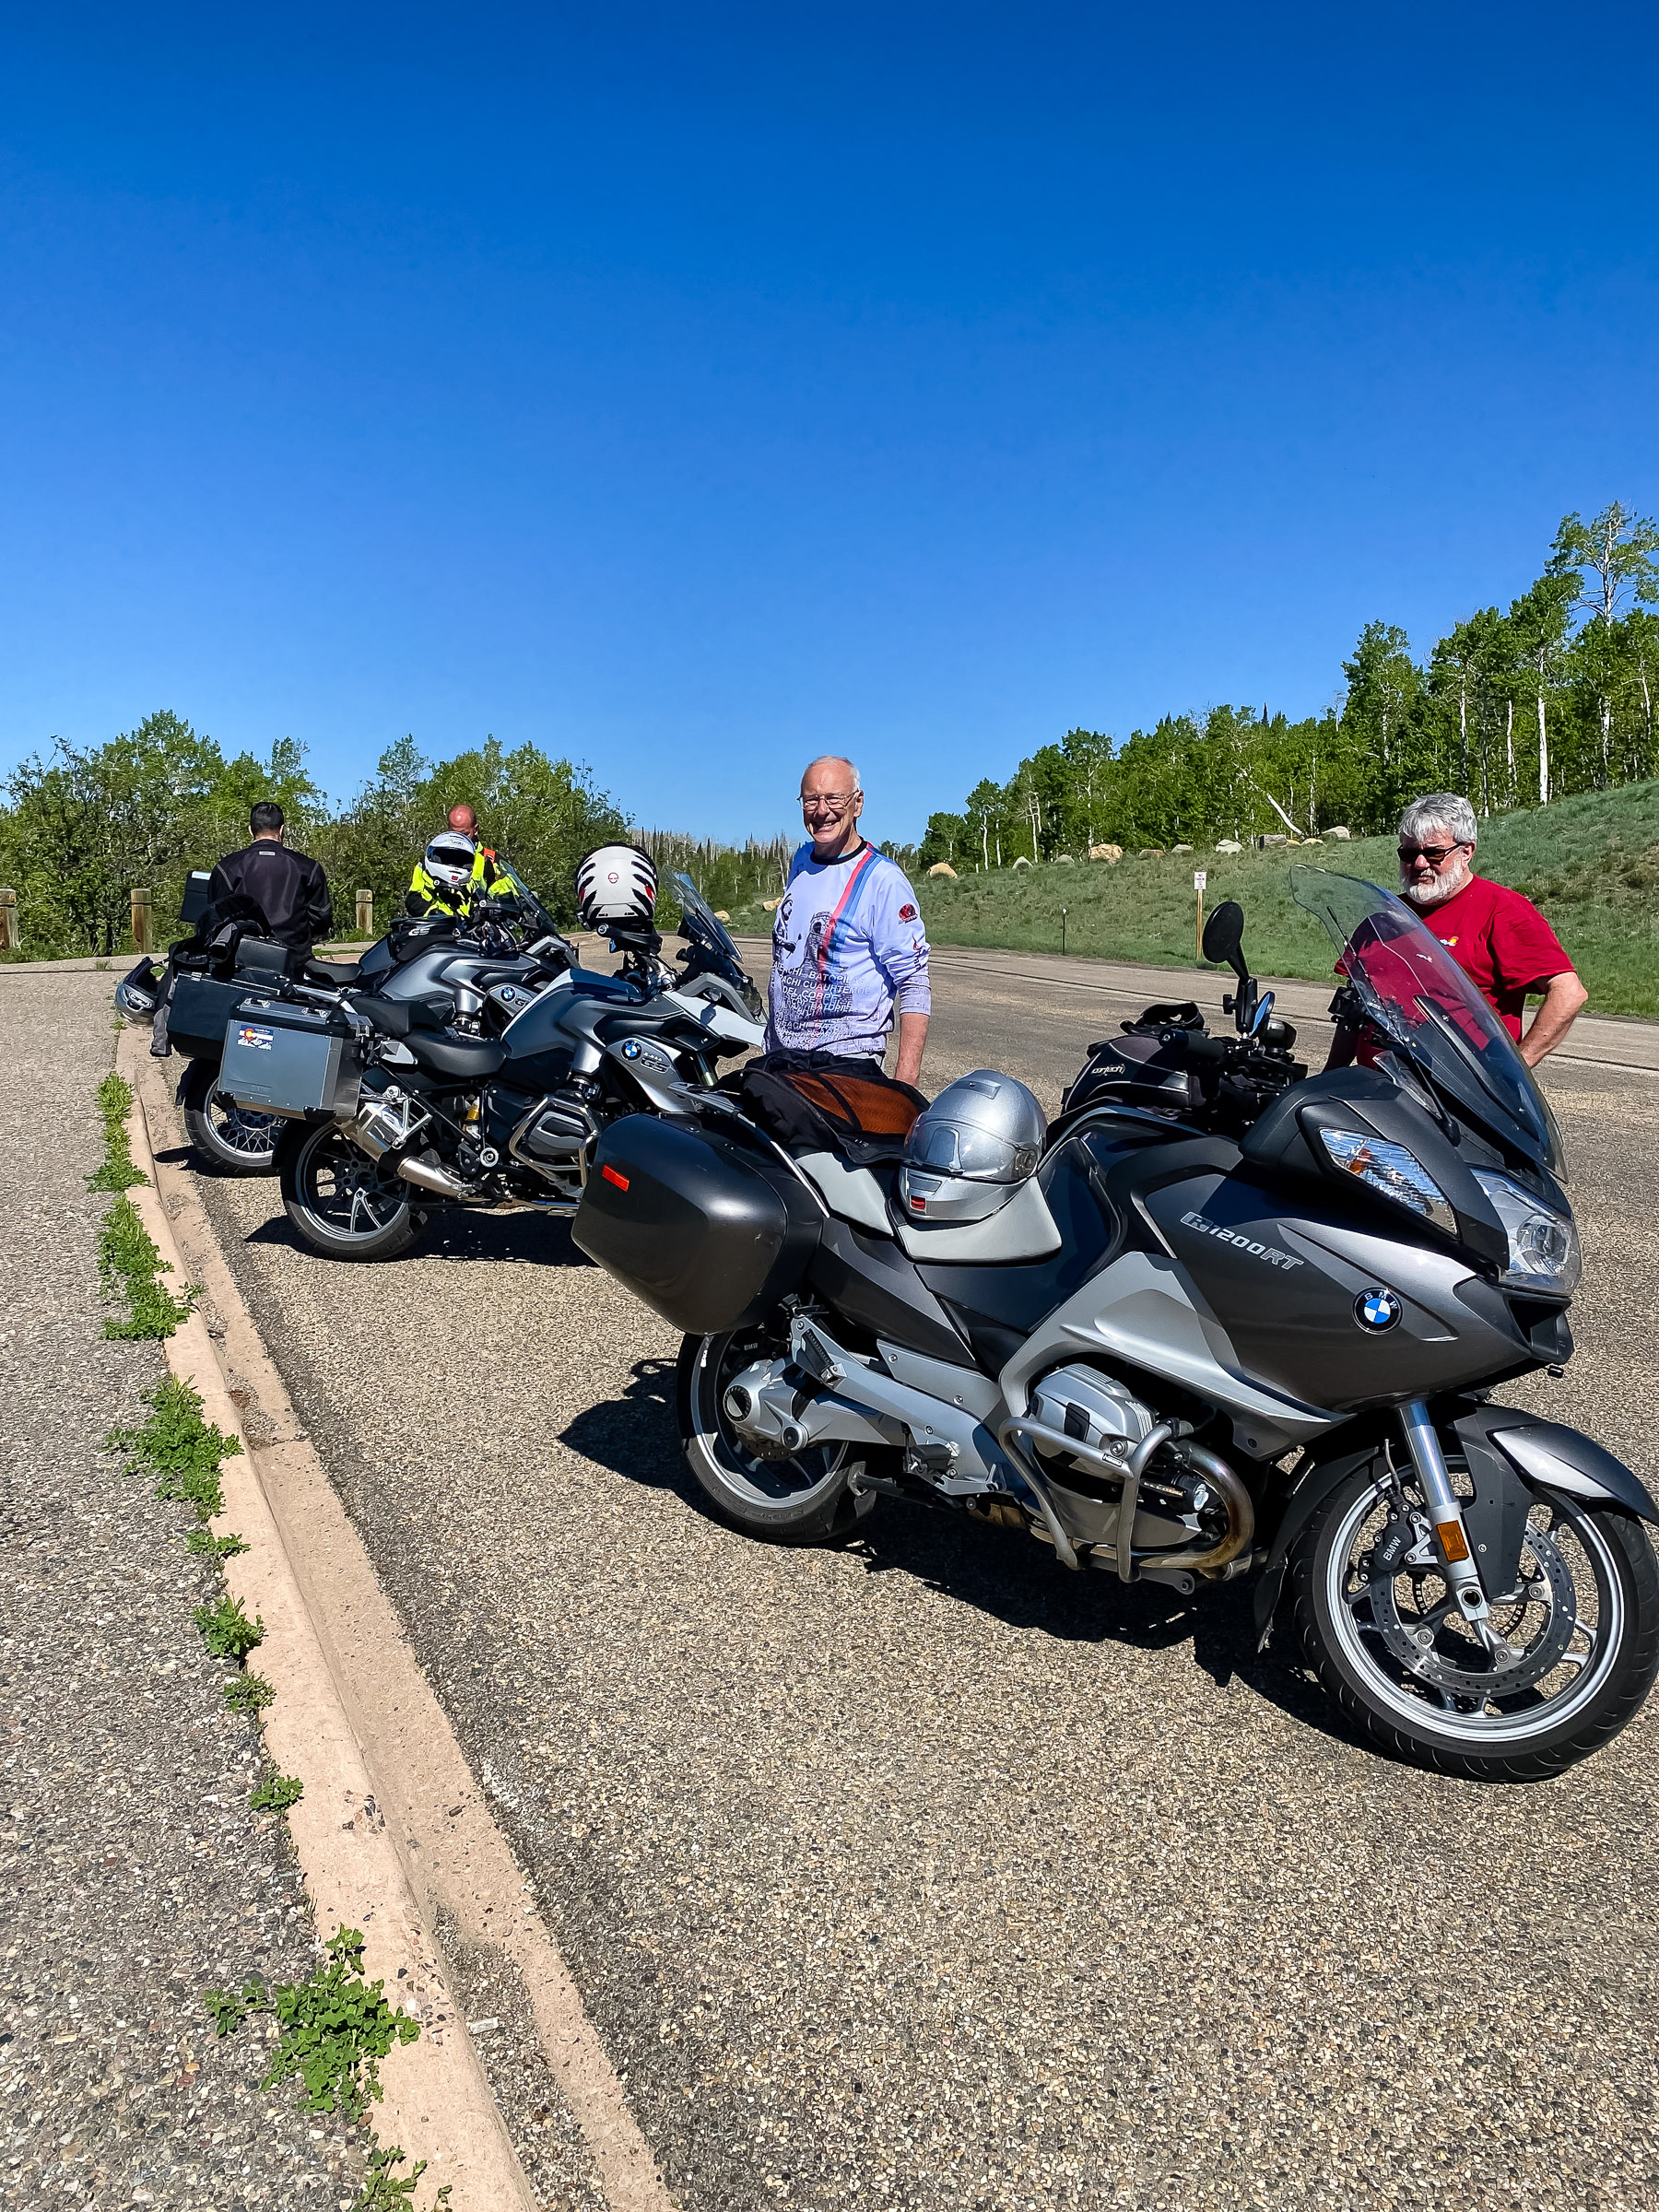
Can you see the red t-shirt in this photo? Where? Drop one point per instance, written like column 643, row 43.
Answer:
column 1500, row 941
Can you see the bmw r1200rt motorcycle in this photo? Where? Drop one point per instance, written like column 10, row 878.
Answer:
column 1180, row 1355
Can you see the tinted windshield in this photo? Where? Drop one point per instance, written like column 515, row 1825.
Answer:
column 699, row 920
column 1417, row 994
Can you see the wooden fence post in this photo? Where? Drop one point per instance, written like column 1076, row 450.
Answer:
column 365, row 914
column 141, row 922
column 11, row 938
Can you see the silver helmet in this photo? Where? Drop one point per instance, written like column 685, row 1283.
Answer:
column 973, row 1148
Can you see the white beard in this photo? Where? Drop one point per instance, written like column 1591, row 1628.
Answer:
column 1439, row 888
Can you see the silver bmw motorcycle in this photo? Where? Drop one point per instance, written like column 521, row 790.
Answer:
column 1253, row 1330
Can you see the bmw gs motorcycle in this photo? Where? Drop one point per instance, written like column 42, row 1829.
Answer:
column 1251, row 1331
column 464, row 1086
column 203, row 987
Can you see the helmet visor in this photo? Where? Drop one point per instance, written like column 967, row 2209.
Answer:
column 959, row 1148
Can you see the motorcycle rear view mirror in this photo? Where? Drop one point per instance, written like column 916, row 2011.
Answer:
column 1224, row 936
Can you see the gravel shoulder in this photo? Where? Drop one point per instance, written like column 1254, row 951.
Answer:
column 132, row 1874
column 920, row 1872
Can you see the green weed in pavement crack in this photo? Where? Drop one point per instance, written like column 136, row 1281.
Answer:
column 382, row 2192
column 115, row 1172
column 184, row 1451
column 336, row 2027
column 128, row 1264
column 226, row 1629
column 248, row 1693
column 275, row 1793
column 214, row 1547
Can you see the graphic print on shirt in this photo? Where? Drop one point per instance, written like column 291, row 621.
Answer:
column 816, row 989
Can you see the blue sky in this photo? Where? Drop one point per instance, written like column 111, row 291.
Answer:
column 693, row 390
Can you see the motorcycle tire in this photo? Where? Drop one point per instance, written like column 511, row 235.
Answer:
column 1390, row 1650
column 229, row 1138
column 807, row 1501
column 340, row 1205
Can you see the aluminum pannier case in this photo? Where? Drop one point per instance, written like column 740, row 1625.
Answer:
column 292, row 1060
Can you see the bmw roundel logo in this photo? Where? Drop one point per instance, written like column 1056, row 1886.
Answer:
column 631, row 1049
column 1376, row 1309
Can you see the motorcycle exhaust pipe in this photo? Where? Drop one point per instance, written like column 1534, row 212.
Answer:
column 428, row 1176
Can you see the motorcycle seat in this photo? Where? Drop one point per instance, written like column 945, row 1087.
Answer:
column 463, row 1059
column 333, row 975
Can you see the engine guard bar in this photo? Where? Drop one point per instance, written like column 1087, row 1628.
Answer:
column 1241, row 1510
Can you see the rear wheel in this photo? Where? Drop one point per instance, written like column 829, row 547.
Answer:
column 807, row 1500
column 232, row 1139
column 340, row 1201
column 1560, row 1666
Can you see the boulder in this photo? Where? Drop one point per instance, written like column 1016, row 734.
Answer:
column 1064, row 860
column 1274, row 836
column 1111, row 854
column 720, row 914
column 1339, row 833
column 943, row 867
column 771, row 906
column 1181, row 848
column 1022, row 862
column 1229, row 844
column 1150, row 852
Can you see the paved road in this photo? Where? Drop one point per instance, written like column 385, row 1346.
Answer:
column 132, row 1874
column 923, row 1874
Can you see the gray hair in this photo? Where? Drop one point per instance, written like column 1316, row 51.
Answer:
column 843, row 760
column 1440, row 810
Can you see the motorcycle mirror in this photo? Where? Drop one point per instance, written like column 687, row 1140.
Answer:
column 1261, row 1014
column 1223, row 935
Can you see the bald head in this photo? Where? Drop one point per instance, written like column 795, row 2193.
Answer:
column 831, row 803
column 463, row 818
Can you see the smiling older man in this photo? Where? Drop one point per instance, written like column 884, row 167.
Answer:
column 848, row 947
column 1497, row 937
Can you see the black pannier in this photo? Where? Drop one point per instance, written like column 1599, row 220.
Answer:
column 708, row 1233
column 200, row 1007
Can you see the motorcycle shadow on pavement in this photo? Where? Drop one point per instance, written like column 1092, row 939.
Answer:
column 494, row 1240
column 1004, row 1574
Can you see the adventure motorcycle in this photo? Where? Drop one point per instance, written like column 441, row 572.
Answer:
column 201, row 986
column 1257, row 1337
column 402, row 1102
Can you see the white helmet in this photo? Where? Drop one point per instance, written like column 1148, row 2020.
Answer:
column 450, row 858
column 616, row 886
column 973, row 1148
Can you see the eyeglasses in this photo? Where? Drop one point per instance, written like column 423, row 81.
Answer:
column 1433, row 854
column 837, row 802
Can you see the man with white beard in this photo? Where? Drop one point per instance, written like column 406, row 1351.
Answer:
column 1498, row 937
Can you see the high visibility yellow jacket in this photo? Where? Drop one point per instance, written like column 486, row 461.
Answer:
column 488, row 879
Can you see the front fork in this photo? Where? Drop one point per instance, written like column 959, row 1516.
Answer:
column 1461, row 1575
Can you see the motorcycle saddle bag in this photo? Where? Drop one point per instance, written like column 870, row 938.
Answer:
column 708, row 1233
column 814, row 1103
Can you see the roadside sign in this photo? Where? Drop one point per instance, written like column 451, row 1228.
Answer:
column 1200, row 879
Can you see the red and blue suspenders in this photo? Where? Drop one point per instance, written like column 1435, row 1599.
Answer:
column 844, row 905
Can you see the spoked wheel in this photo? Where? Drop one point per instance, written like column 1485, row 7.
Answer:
column 232, row 1139
column 806, row 1499
column 1562, row 1664
column 340, row 1200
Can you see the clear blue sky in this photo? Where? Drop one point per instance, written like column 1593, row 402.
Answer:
column 694, row 388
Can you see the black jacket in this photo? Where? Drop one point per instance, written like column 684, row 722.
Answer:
column 290, row 889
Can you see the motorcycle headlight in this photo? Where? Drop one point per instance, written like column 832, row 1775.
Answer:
column 1391, row 1170
column 1542, row 1244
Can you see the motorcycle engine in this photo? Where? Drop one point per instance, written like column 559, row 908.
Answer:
column 1177, row 1506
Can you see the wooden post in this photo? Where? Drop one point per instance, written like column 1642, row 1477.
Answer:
column 1063, row 929
column 11, row 938
column 1200, row 878
column 365, row 914
column 142, row 922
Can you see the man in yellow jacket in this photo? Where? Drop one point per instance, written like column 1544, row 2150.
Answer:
column 456, row 872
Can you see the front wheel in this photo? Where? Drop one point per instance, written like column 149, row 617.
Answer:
column 807, row 1500
column 232, row 1139
column 338, row 1199
column 1562, row 1664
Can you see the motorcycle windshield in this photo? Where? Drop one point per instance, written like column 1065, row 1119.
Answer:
column 1415, row 992
column 699, row 922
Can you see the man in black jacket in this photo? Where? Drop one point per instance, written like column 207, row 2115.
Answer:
column 290, row 889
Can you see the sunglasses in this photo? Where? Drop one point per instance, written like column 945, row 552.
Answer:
column 1433, row 854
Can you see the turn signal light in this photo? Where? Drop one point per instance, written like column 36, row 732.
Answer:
column 1452, row 1541
column 611, row 1175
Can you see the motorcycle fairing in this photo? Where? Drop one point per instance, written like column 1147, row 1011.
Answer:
column 1549, row 1453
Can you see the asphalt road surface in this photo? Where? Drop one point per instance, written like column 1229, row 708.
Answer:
column 922, row 1873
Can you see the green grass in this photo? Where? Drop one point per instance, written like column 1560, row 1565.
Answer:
column 335, row 2029
column 1591, row 863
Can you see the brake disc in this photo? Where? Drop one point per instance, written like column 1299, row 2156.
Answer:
column 1416, row 1640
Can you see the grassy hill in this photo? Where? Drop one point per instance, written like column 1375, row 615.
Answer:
column 1591, row 863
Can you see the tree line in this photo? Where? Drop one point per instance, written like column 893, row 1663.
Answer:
column 1512, row 708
